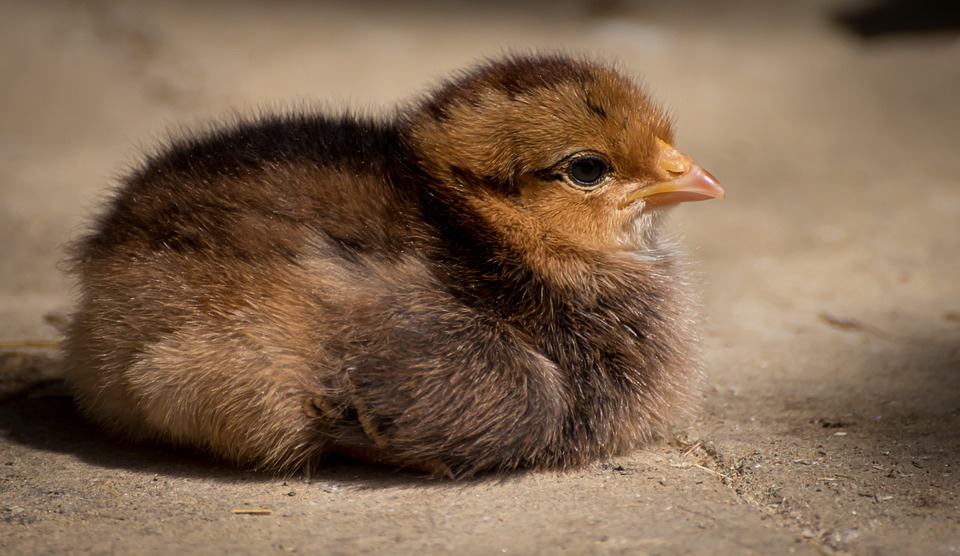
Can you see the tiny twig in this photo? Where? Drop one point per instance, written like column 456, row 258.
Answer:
column 252, row 511
column 838, row 477
column 711, row 471
column 691, row 449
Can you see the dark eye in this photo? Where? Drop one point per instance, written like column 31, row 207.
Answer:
column 587, row 171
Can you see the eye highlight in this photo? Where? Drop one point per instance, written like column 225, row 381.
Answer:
column 588, row 170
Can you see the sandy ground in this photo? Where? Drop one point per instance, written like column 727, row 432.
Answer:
column 831, row 418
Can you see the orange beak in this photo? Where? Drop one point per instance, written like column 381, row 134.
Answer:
column 690, row 182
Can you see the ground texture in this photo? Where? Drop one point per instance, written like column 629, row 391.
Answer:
column 831, row 413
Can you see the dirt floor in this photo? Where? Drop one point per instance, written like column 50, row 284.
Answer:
column 831, row 414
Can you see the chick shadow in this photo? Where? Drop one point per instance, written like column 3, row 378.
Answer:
column 911, row 410
column 41, row 415
column 899, row 432
column 924, row 359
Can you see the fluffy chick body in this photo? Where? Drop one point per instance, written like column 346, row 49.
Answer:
column 428, row 290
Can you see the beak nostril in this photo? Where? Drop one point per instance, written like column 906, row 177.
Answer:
column 673, row 161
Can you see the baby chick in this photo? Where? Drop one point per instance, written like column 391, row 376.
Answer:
column 476, row 283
